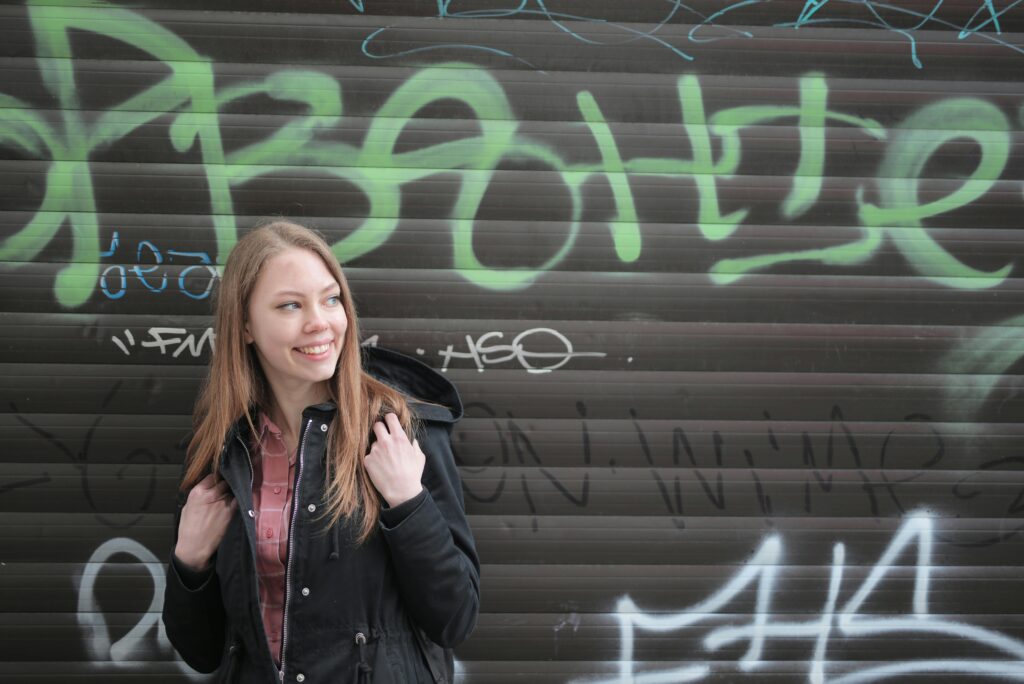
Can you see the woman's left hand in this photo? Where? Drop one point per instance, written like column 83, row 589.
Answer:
column 394, row 464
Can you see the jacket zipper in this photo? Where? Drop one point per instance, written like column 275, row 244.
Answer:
column 291, row 532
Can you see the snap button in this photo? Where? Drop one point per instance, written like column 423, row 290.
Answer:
column 323, row 427
column 311, row 507
column 252, row 513
column 300, row 677
column 305, row 591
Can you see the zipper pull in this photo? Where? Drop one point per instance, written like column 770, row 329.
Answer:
column 363, row 669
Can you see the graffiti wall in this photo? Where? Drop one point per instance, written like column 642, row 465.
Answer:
column 733, row 293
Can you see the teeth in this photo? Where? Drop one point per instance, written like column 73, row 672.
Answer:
column 315, row 350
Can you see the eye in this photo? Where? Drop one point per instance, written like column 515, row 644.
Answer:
column 288, row 306
column 334, row 300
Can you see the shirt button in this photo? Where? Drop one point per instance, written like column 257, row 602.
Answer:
column 300, row 677
column 311, row 508
column 252, row 513
column 277, row 490
column 268, row 533
column 323, row 427
column 305, row 591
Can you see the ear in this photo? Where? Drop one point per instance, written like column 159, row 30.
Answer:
column 246, row 335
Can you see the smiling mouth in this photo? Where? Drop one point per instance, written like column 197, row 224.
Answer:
column 313, row 351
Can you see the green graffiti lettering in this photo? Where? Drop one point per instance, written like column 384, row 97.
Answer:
column 913, row 144
column 320, row 93
column 475, row 159
column 979, row 363
column 380, row 171
column 625, row 224
column 292, row 146
column 701, row 167
column 712, row 224
column 468, row 203
column 25, row 129
column 812, row 117
column 69, row 196
column 475, row 156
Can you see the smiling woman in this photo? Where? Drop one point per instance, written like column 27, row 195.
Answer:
column 296, row 325
column 320, row 490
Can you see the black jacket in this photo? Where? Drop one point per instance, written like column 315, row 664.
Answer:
column 387, row 611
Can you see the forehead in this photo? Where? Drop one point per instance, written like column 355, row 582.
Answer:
column 294, row 269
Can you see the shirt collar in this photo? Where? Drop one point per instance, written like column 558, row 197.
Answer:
column 269, row 430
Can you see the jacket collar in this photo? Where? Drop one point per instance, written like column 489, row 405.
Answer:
column 431, row 395
column 240, row 429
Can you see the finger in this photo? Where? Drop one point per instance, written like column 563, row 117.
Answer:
column 223, row 496
column 211, row 494
column 395, row 425
column 381, row 430
column 200, row 491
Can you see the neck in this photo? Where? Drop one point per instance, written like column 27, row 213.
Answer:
column 286, row 410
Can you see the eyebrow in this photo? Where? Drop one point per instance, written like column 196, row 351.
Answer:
column 295, row 293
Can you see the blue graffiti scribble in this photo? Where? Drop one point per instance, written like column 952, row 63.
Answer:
column 442, row 46
column 811, row 13
column 993, row 20
column 557, row 19
column 710, row 21
column 113, row 280
column 812, row 7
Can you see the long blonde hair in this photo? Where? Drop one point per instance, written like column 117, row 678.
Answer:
column 235, row 385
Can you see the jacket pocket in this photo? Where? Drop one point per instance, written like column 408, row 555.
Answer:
column 433, row 655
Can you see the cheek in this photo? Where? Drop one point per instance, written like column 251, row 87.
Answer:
column 271, row 337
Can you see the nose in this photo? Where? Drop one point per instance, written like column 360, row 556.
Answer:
column 315, row 319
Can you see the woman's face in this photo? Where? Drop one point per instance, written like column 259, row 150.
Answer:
column 296, row 321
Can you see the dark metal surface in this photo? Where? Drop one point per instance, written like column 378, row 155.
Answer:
column 732, row 293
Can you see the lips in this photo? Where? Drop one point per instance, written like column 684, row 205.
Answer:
column 315, row 349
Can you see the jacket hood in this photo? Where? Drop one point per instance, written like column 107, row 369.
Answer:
column 433, row 396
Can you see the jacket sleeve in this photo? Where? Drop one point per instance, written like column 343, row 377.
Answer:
column 193, row 613
column 432, row 548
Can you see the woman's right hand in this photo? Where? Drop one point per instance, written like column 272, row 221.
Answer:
column 204, row 520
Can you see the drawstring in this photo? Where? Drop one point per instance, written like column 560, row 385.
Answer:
column 363, row 669
column 335, row 544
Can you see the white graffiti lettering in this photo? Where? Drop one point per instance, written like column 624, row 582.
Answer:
column 849, row 622
column 481, row 350
column 180, row 337
column 130, row 649
column 167, row 339
column 484, row 353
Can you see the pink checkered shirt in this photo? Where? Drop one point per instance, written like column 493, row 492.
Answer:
column 272, row 485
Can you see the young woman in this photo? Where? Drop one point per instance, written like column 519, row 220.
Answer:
column 321, row 533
